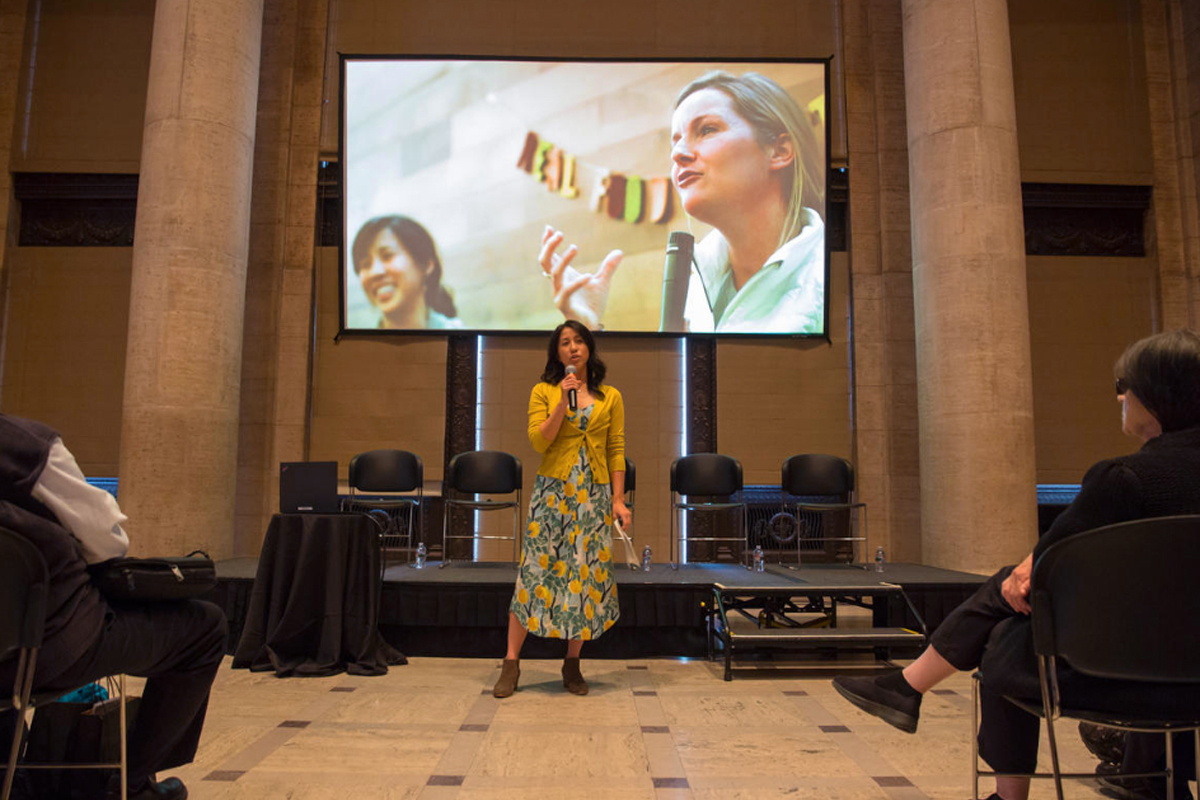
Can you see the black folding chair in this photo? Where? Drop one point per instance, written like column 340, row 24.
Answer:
column 1119, row 603
column 391, row 472
column 481, row 472
column 708, row 475
column 630, row 488
column 829, row 530
column 24, row 587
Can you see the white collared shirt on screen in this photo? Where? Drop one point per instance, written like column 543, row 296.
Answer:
column 786, row 295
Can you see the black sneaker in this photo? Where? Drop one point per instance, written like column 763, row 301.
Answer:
column 1106, row 744
column 167, row 789
column 1135, row 788
column 890, row 706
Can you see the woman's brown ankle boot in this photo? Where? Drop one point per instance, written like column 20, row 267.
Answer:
column 573, row 678
column 506, row 684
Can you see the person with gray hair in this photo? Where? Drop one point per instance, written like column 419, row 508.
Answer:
column 1158, row 387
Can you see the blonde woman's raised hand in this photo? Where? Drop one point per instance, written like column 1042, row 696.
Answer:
column 581, row 296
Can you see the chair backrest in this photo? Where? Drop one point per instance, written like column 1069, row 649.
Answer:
column 630, row 475
column 818, row 474
column 386, row 471
column 24, row 584
column 484, row 472
column 1121, row 601
column 706, row 473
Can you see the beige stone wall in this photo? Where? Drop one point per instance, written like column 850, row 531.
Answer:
column 1175, row 214
column 376, row 392
column 1066, row 100
column 12, row 42
column 1082, row 314
column 779, row 398
column 1090, row 109
column 86, row 106
column 68, row 311
column 885, row 376
column 280, row 284
column 1079, row 78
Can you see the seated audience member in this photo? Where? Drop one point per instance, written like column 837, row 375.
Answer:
column 177, row 646
column 1158, row 386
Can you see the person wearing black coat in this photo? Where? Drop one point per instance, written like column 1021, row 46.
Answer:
column 176, row 646
column 1158, row 387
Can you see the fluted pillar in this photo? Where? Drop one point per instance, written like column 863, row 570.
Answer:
column 978, row 495
column 183, row 364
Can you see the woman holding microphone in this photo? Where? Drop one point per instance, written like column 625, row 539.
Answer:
column 565, row 588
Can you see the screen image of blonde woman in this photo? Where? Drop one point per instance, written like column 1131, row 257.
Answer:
column 508, row 195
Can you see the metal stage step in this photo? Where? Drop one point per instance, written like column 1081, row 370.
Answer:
column 836, row 637
column 803, row 614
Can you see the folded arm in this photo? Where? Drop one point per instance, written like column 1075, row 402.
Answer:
column 89, row 513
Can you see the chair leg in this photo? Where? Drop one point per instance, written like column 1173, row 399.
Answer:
column 124, row 733
column 23, row 687
column 1196, row 744
column 447, row 510
column 1170, row 766
column 671, row 534
column 974, row 738
column 1054, row 758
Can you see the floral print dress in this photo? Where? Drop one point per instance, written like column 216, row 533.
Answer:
column 565, row 589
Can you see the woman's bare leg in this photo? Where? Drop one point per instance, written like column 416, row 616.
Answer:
column 1012, row 788
column 928, row 670
column 516, row 637
column 573, row 647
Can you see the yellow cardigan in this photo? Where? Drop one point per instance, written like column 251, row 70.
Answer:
column 605, row 435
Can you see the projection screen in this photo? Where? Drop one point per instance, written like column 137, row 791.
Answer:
column 461, row 176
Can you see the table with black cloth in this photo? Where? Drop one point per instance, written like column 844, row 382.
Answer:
column 314, row 609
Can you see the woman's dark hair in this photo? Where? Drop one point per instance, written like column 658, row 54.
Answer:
column 420, row 247
column 1163, row 371
column 555, row 371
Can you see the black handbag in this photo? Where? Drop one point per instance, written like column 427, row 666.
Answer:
column 155, row 579
column 75, row 733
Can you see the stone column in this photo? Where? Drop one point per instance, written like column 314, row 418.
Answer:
column 179, row 428
column 978, row 495
column 12, row 40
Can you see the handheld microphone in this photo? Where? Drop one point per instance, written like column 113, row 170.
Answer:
column 676, row 272
column 572, row 397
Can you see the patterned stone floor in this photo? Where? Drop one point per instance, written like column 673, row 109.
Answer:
column 649, row 729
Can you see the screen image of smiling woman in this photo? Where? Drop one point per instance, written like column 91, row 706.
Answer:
column 397, row 264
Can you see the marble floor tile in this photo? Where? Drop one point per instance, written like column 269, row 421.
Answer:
column 431, row 731
column 567, row 755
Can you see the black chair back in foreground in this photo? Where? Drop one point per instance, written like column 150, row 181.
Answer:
column 490, row 472
column 1120, row 603
column 24, row 589
column 704, row 475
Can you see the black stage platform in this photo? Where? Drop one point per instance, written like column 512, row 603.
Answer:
column 462, row 610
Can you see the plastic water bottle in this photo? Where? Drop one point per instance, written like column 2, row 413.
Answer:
column 759, row 562
column 422, row 552
column 879, row 559
column 647, row 558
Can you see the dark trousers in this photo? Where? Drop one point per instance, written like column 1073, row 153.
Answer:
column 1008, row 737
column 985, row 632
column 178, row 648
column 1147, row 752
